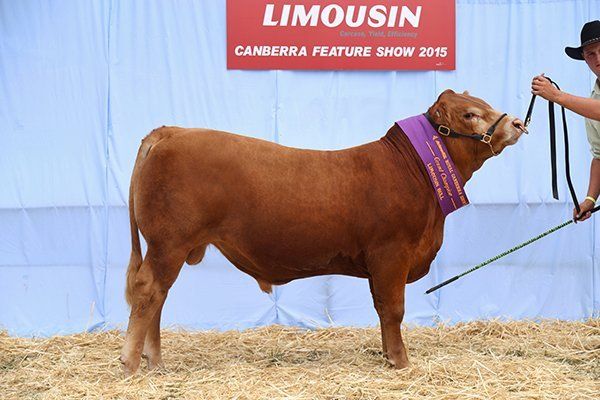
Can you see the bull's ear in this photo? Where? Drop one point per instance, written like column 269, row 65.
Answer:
column 438, row 112
column 438, row 109
column 447, row 91
column 466, row 92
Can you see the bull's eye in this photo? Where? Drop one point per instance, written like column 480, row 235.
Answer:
column 468, row 115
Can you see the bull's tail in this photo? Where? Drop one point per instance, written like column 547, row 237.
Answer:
column 135, row 260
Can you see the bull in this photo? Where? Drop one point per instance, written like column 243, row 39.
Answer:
column 279, row 213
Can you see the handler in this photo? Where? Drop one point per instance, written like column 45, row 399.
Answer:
column 589, row 50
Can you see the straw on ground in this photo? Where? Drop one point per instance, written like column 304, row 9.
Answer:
column 478, row 360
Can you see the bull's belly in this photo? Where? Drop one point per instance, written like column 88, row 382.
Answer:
column 278, row 266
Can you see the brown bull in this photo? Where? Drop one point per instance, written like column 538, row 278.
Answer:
column 280, row 213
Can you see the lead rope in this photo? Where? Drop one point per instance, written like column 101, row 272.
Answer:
column 554, row 187
column 491, row 260
column 553, row 146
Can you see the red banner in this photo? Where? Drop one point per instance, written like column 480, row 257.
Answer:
column 330, row 35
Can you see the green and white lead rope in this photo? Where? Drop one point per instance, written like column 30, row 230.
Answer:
column 491, row 260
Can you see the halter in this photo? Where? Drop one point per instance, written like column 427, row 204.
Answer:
column 484, row 138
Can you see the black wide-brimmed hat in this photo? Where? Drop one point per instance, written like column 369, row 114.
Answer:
column 590, row 33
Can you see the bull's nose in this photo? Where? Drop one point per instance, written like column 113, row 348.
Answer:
column 517, row 123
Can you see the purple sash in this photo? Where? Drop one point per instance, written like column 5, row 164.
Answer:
column 445, row 178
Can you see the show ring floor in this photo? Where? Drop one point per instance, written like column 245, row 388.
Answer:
column 477, row 360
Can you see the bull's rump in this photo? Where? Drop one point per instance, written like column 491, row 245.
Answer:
column 296, row 211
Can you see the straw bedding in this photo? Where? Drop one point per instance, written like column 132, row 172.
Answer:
column 478, row 360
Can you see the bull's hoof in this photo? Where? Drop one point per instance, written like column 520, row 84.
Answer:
column 398, row 364
column 155, row 364
column 129, row 368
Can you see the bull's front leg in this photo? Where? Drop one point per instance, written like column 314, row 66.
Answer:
column 379, row 313
column 388, row 284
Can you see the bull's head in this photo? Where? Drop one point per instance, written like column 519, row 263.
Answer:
column 467, row 117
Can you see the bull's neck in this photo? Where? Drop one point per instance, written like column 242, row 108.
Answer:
column 468, row 155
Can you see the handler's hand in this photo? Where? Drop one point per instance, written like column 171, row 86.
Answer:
column 542, row 87
column 585, row 213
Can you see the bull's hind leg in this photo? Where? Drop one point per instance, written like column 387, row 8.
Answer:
column 152, row 283
column 152, row 342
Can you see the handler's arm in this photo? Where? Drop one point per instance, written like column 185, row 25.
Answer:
column 585, row 106
column 593, row 191
column 594, row 186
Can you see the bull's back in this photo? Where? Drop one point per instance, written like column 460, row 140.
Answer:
column 231, row 183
